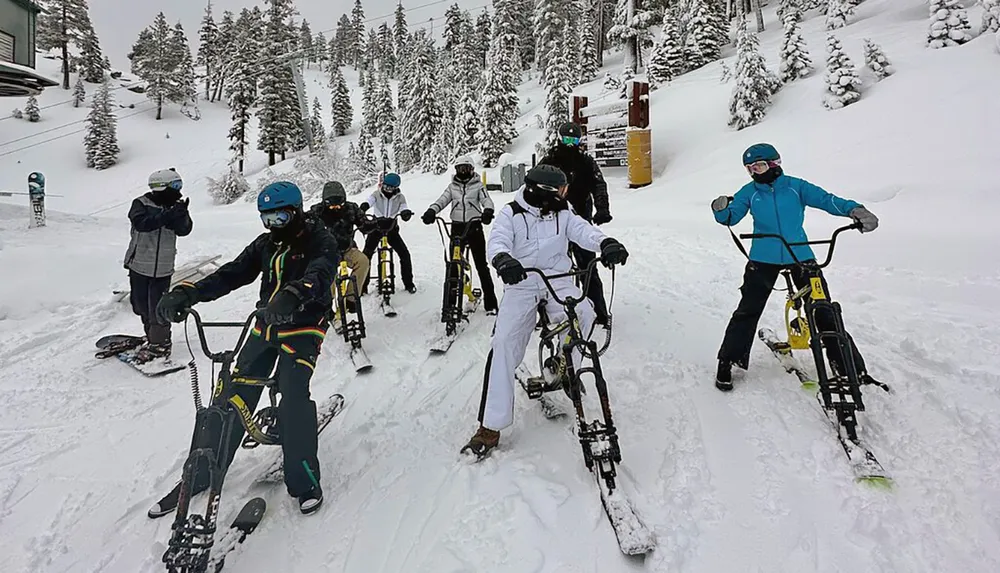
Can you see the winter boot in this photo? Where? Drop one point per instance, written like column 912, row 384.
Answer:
column 150, row 352
column 482, row 442
column 311, row 501
column 411, row 289
column 169, row 502
column 724, row 376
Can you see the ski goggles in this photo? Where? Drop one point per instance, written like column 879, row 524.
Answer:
column 570, row 140
column 276, row 219
column 759, row 167
column 390, row 189
column 464, row 169
column 176, row 185
column 560, row 191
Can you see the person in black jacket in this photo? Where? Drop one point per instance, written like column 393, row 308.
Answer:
column 158, row 218
column 343, row 218
column 298, row 258
column 587, row 192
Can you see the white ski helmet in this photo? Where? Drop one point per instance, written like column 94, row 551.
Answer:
column 465, row 160
column 165, row 178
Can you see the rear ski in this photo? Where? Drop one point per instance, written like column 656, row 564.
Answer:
column 329, row 410
column 551, row 408
column 783, row 352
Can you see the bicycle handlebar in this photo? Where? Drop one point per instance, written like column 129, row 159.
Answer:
column 448, row 224
column 201, row 325
column 568, row 300
column 832, row 241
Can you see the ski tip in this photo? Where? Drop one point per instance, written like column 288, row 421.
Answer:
column 882, row 483
column 810, row 386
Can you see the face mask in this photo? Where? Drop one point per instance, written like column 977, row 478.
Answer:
column 166, row 197
column 767, row 177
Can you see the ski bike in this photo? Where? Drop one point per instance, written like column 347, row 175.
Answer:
column 351, row 321
column 839, row 392
column 457, row 285
column 386, row 272
column 192, row 535
column 599, row 438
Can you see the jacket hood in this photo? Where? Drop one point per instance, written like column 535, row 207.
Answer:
column 519, row 198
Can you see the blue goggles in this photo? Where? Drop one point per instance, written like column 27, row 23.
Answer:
column 276, row 219
column 175, row 185
column 570, row 140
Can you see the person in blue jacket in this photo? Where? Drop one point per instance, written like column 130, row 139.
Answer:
column 777, row 204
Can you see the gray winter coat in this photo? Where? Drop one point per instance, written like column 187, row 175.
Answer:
column 468, row 200
column 155, row 229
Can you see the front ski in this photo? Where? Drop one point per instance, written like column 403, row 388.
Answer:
column 634, row 538
column 333, row 406
column 783, row 352
column 245, row 523
column 360, row 360
column 864, row 465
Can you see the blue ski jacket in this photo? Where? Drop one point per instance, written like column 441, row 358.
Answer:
column 779, row 209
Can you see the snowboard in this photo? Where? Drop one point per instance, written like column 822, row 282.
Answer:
column 125, row 347
column 114, row 344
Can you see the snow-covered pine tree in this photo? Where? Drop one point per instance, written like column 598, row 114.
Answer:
column 466, row 124
column 341, row 47
column 876, row 61
column 341, row 110
column 208, row 49
column 634, row 33
column 63, row 22
column 240, row 97
column 227, row 190
column 703, row 34
column 422, row 116
column 92, row 64
column 991, row 16
column 316, row 123
column 400, row 38
column 155, row 59
column 320, row 53
column 558, row 85
column 31, row 111
column 453, row 32
column 101, row 139
column 357, row 37
column 837, row 13
column 231, row 32
column 483, row 35
column 277, row 118
column 667, row 60
column 385, row 112
column 795, row 60
column 949, row 24
column 366, row 153
column 183, row 87
column 499, row 101
column 369, row 97
column 386, row 54
column 587, row 31
column 751, row 96
column 79, row 92
column 306, row 43
column 550, row 21
column 793, row 7
column 843, row 84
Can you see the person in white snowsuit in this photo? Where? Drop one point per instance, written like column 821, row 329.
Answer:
column 386, row 204
column 533, row 231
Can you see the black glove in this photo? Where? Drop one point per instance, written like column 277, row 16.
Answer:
column 428, row 217
column 405, row 215
column 602, row 217
column 364, row 206
column 174, row 305
column 178, row 211
column 510, row 270
column 487, row 216
column 613, row 253
column 280, row 309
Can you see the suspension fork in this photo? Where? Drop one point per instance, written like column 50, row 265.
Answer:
column 386, row 267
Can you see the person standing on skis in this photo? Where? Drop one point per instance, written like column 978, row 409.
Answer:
column 777, row 203
column 469, row 199
column 532, row 231
column 297, row 259
column 387, row 203
column 587, row 191
column 158, row 218
column 342, row 218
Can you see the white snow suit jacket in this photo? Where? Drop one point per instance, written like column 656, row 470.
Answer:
column 540, row 241
column 389, row 207
column 468, row 199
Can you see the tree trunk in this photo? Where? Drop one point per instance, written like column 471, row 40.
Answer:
column 631, row 45
column 760, row 16
column 159, row 107
column 65, row 49
column 270, row 157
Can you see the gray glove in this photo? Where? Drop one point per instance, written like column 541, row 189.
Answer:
column 868, row 220
column 720, row 204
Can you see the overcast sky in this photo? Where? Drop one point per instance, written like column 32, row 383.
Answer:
column 118, row 22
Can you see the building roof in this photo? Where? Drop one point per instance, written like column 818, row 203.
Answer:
column 21, row 81
column 28, row 5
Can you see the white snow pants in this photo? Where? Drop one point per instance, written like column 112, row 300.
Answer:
column 516, row 319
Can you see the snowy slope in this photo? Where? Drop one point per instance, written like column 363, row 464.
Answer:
column 748, row 481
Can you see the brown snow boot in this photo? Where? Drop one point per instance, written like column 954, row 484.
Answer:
column 482, row 442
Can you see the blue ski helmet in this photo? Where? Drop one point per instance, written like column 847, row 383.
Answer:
column 279, row 195
column 760, row 152
column 391, row 180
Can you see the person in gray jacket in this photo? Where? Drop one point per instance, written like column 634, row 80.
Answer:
column 469, row 200
column 158, row 218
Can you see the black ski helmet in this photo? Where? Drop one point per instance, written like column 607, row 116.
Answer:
column 541, row 188
column 334, row 193
column 546, row 175
column 570, row 129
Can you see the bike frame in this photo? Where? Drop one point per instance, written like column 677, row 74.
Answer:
column 457, row 276
column 386, row 261
column 353, row 330
column 193, row 535
column 598, row 439
column 841, row 393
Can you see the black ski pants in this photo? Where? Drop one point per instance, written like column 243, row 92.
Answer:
column 144, row 294
column 296, row 357
column 402, row 254
column 595, row 290
column 758, row 282
column 475, row 240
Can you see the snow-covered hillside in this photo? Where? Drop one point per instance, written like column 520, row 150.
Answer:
column 749, row 481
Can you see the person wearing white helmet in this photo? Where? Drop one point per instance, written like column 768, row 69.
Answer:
column 471, row 208
column 158, row 218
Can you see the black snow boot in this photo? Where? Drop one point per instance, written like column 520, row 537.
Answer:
column 311, row 501
column 724, row 376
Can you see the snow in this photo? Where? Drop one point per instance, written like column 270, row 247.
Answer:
column 753, row 480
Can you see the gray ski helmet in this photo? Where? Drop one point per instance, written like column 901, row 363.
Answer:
column 333, row 192
column 165, row 178
column 547, row 175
